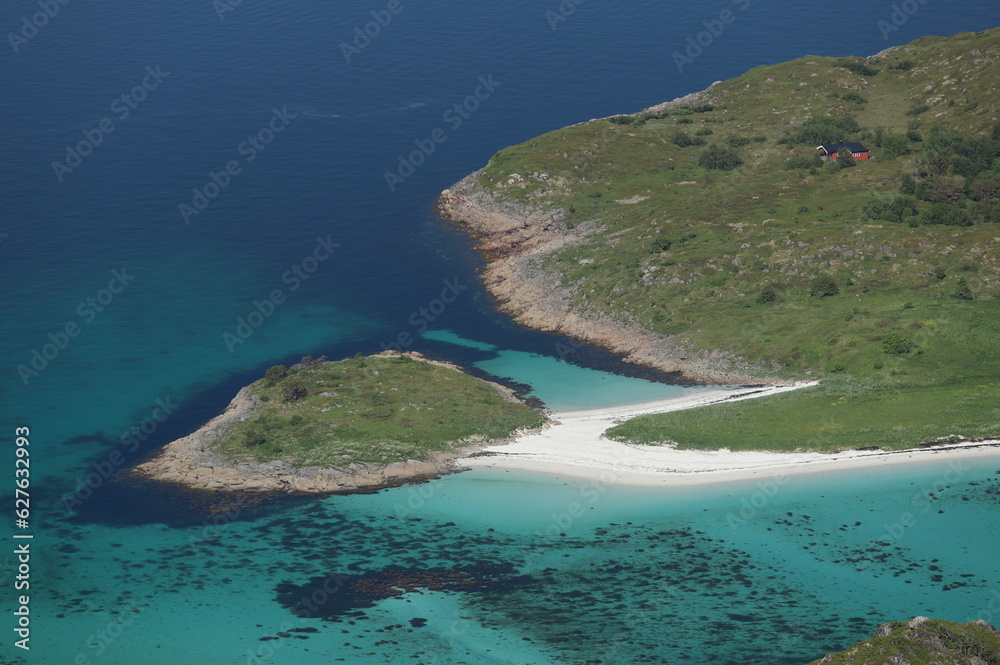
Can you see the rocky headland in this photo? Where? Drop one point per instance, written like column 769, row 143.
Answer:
column 517, row 239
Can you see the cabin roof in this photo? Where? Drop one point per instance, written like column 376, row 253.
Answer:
column 833, row 148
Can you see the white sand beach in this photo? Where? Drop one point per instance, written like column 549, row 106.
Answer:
column 575, row 446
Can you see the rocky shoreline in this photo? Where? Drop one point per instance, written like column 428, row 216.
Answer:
column 194, row 462
column 517, row 239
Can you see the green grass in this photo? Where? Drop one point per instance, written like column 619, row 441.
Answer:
column 372, row 411
column 949, row 385
column 929, row 643
column 734, row 234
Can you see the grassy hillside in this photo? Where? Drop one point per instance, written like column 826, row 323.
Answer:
column 923, row 642
column 719, row 224
column 370, row 410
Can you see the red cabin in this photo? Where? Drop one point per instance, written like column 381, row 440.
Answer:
column 830, row 150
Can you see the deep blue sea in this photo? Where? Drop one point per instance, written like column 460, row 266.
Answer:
column 194, row 191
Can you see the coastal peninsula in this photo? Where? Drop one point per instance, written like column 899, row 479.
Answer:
column 830, row 218
column 357, row 424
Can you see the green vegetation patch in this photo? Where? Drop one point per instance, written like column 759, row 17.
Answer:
column 929, row 643
column 372, row 411
column 912, row 375
column 752, row 245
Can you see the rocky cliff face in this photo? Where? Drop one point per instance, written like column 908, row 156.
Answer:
column 517, row 239
column 922, row 641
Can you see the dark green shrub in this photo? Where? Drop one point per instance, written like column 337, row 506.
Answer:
column 253, row 437
column 908, row 185
column 946, row 215
column 704, row 131
column 683, row 140
column 845, row 159
column 919, row 109
column 940, row 273
column 962, row 290
column 309, row 362
column 293, row 389
column 989, row 213
column 812, row 161
column 720, row 158
column 275, row 374
column 902, row 65
column 684, row 121
column 898, row 210
column 767, row 296
column 702, row 108
column 895, row 145
column 985, row 187
column 854, row 97
column 823, row 286
column 660, row 245
column 859, row 67
column 821, row 129
column 621, row 119
column 896, row 345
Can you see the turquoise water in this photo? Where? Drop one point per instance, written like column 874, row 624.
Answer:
column 129, row 560
column 562, row 385
column 595, row 571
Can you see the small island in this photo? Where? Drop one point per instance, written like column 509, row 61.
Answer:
column 358, row 424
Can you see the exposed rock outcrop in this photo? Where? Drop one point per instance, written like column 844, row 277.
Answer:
column 517, row 239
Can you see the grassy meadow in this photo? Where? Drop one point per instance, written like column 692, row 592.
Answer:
column 372, row 411
column 716, row 223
